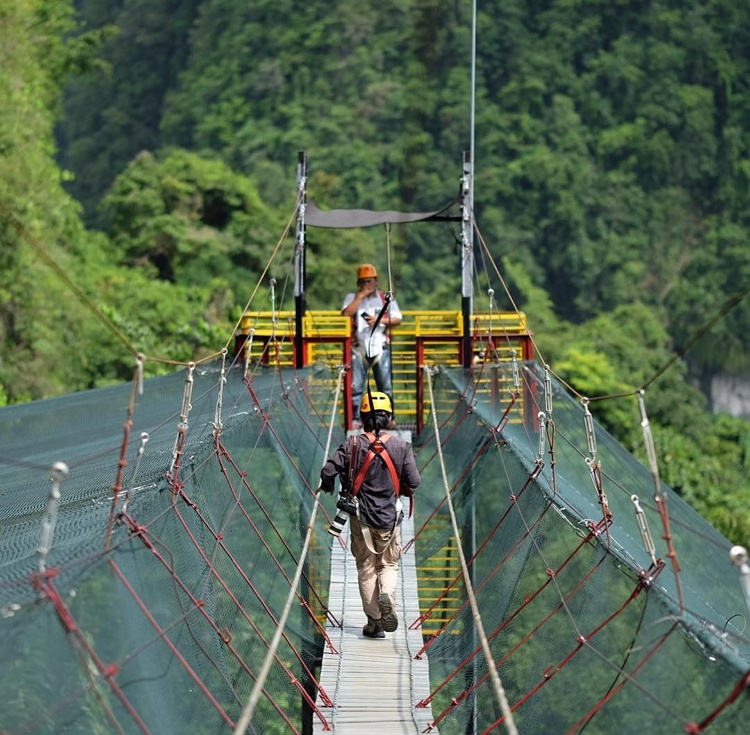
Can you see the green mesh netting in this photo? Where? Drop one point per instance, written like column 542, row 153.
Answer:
column 154, row 613
column 178, row 607
column 583, row 640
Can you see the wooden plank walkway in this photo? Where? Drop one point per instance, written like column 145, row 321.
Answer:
column 373, row 684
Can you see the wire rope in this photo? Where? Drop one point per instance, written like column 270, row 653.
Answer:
column 497, row 684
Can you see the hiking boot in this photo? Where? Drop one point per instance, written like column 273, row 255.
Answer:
column 373, row 629
column 387, row 613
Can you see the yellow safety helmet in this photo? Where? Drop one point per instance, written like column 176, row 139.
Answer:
column 380, row 402
column 366, row 270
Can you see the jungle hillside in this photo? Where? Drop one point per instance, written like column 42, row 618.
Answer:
column 147, row 171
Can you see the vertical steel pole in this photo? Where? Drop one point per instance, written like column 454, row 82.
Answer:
column 468, row 348
column 300, row 270
column 467, row 259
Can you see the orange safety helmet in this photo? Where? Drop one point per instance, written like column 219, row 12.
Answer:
column 380, row 402
column 366, row 270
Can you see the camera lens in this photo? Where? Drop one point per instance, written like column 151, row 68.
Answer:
column 338, row 523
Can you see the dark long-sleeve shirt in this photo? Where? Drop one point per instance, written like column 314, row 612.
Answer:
column 377, row 496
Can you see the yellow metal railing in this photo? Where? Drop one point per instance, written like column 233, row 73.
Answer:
column 426, row 337
column 442, row 591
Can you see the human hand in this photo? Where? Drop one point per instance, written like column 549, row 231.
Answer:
column 367, row 287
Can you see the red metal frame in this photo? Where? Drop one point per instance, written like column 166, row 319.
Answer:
column 346, row 359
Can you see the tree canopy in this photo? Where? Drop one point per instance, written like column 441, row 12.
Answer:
column 147, row 154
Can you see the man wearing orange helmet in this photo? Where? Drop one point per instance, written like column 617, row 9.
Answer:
column 375, row 469
column 371, row 349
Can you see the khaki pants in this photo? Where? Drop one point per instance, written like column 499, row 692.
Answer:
column 376, row 573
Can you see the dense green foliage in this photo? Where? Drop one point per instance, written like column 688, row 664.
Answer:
column 610, row 156
column 147, row 147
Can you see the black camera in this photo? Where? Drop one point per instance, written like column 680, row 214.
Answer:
column 347, row 506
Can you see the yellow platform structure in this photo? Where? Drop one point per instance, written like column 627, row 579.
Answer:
column 424, row 338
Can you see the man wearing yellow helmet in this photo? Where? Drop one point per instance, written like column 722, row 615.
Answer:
column 375, row 469
column 370, row 349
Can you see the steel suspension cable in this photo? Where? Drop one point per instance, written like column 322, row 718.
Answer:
column 249, row 709
column 497, row 684
column 388, row 255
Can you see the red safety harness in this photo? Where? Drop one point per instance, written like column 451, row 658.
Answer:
column 377, row 449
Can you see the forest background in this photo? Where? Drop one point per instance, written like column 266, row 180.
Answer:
column 148, row 156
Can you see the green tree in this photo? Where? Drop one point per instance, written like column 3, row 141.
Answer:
column 113, row 111
column 39, row 223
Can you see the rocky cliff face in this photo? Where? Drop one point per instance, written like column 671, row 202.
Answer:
column 731, row 394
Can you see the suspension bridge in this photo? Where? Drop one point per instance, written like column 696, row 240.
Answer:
column 165, row 566
column 141, row 589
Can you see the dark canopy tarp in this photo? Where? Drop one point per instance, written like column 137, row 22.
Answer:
column 315, row 217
